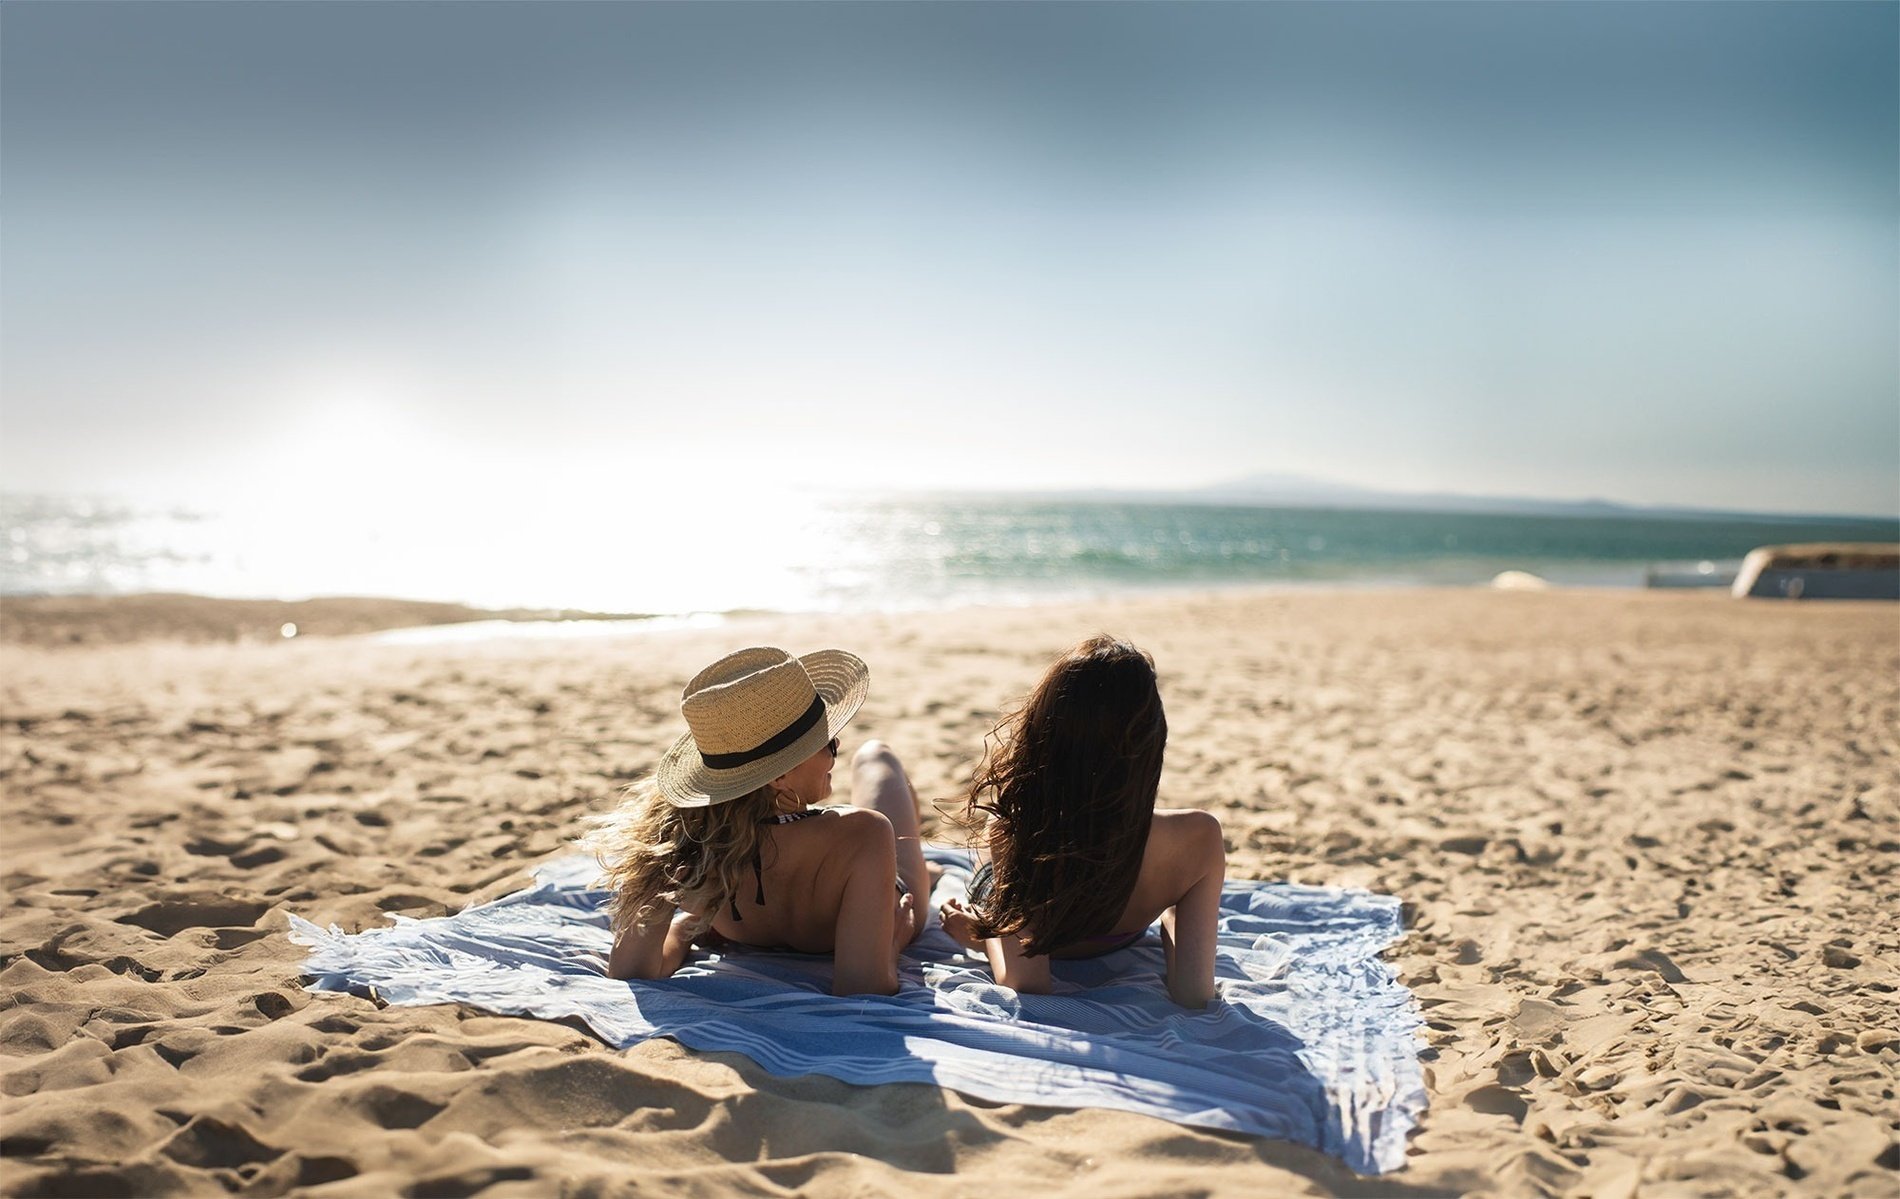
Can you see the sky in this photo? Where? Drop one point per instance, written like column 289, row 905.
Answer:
column 1642, row 252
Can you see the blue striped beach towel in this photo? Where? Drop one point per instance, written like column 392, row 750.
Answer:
column 1312, row 1040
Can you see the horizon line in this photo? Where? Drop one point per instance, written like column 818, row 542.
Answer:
column 1322, row 494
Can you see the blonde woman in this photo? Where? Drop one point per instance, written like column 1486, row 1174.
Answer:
column 727, row 841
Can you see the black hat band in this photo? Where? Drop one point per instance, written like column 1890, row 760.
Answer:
column 780, row 740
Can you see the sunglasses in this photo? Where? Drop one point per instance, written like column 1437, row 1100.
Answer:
column 832, row 745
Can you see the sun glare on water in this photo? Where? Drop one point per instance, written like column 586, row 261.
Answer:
column 356, row 496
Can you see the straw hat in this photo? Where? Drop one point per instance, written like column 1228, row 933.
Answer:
column 752, row 716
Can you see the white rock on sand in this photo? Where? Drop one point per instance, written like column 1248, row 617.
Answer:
column 1519, row 580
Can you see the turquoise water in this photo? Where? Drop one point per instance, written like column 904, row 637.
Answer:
column 808, row 553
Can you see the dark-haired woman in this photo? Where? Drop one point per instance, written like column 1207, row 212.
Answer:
column 1079, row 860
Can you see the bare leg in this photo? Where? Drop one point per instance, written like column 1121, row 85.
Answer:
column 878, row 781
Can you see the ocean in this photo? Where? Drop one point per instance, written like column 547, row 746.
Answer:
column 799, row 552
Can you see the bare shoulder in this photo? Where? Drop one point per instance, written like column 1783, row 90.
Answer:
column 1184, row 828
column 834, row 823
column 1190, row 842
column 845, row 832
column 1185, row 848
column 858, row 844
column 861, row 822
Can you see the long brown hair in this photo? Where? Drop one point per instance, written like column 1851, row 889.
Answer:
column 693, row 858
column 1068, row 783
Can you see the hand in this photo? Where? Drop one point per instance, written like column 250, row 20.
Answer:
column 960, row 923
column 904, row 923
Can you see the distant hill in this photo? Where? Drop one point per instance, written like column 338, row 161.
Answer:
column 1294, row 491
column 1299, row 491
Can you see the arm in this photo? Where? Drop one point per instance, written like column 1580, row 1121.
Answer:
column 906, row 923
column 1009, row 966
column 654, row 949
column 1012, row 969
column 864, row 947
column 1190, row 929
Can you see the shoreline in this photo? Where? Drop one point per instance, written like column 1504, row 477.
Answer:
column 57, row 621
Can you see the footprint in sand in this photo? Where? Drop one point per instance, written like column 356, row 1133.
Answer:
column 337, row 1063
column 383, row 1106
column 1497, row 1101
column 169, row 917
column 213, row 1144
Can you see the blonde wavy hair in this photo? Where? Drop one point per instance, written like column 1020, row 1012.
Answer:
column 695, row 859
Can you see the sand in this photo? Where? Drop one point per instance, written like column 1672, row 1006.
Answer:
column 1649, row 841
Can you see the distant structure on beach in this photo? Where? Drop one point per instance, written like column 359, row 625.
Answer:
column 1707, row 574
column 1826, row 570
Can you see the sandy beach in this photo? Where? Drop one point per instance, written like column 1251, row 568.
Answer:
column 1649, row 842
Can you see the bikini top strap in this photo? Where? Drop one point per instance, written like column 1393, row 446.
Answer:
column 791, row 817
column 758, row 867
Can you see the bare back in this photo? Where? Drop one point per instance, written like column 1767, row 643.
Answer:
column 827, row 882
column 1179, row 883
column 1168, row 869
column 807, row 867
